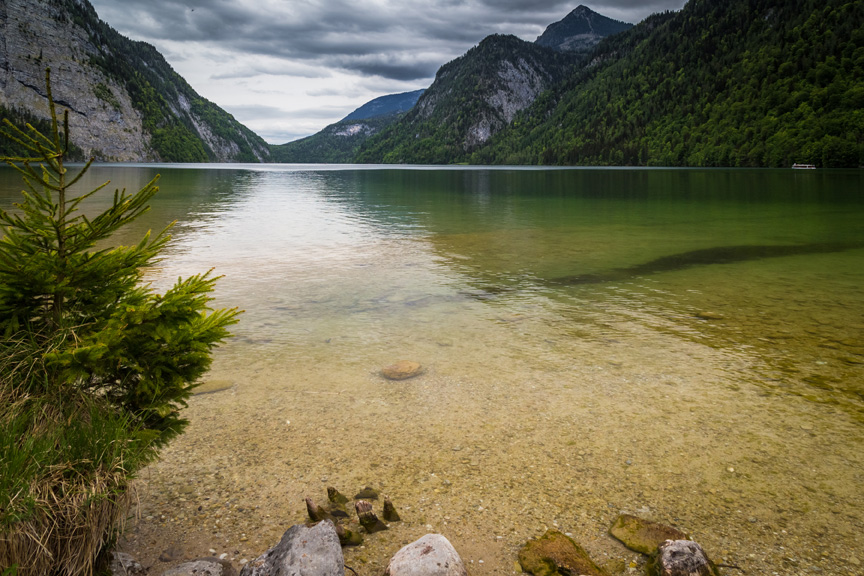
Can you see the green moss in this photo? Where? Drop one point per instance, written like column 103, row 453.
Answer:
column 104, row 93
column 554, row 554
column 643, row 535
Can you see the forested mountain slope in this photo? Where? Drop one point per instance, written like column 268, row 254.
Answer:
column 720, row 83
column 126, row 103
column 472, row 98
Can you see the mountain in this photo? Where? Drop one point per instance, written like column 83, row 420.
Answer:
column 386, row 106
column 472, row 98
column 753, row 83
column 339, row 142
column 126, row 103
column 732, row 83
column 579, row 31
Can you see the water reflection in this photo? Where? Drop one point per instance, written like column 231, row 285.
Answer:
column 352, row 251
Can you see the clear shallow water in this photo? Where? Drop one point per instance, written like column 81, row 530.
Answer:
column 568, row 373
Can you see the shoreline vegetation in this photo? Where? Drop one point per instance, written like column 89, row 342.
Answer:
column 95, row 367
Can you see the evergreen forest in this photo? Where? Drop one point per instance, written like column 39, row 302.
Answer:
column 751, row 83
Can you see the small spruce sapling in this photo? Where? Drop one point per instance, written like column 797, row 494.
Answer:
column 82, row 317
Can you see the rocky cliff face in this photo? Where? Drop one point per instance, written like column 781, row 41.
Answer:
column 580, row 30
column 114, row 114
column 473, row 98
column 520, row 82
column 103, row 121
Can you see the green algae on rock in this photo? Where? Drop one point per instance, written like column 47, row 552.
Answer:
column 368, row 493
column 390, row 513
column 367, row 517
column 555, row 553
column 643, row 535
column 348, row 537
column 335, row 496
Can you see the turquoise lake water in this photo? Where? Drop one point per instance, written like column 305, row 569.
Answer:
column 683, row 344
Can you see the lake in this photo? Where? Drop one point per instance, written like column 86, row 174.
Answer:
column 684, row 345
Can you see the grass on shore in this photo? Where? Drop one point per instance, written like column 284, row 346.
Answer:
column 66, row 460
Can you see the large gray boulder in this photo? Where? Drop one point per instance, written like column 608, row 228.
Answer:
column 303, row 551
column 431, row 555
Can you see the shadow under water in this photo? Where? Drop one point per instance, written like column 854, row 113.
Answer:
column 707, row 257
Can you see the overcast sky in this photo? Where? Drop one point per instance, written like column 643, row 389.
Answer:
column 288, row 68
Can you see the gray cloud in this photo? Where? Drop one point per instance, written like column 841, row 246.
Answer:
column 376, row 39
column 307, row 63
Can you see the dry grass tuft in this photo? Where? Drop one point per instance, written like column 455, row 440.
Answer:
column 65, row 491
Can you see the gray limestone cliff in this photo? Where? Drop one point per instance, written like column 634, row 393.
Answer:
column 472, row 98
column 125, row 102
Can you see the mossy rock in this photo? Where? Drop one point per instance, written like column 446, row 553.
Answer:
column 554, row 554
column 643, row 535
column 368, row 493
column 335, row 496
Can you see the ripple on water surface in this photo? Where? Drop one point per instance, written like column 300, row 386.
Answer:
column 723, row 397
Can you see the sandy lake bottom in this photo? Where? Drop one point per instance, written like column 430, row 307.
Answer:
column 530, row 415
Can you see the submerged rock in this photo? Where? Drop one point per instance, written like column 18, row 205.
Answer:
column 302, row 551
column 335, row 496
column 643, row 535
column 203, row 567
column 389, row 512
column 431, row 555
column 367, row 517
column 316, row 513
column 368, row 493
column 348, row 537
column 123, row 564
column 337, row 503
column 681, row 558
column 212, row 386
column 708, row 315
column 555, row 553
column 402, row 370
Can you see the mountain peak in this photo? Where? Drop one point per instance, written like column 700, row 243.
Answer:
column 581, row 29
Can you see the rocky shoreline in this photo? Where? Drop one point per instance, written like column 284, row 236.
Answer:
column 316, row 548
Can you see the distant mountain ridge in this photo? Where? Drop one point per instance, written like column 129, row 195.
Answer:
column 471, row 99
column 339, row 142
column 385, row 105
column 580, row 30
column 126, row 102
